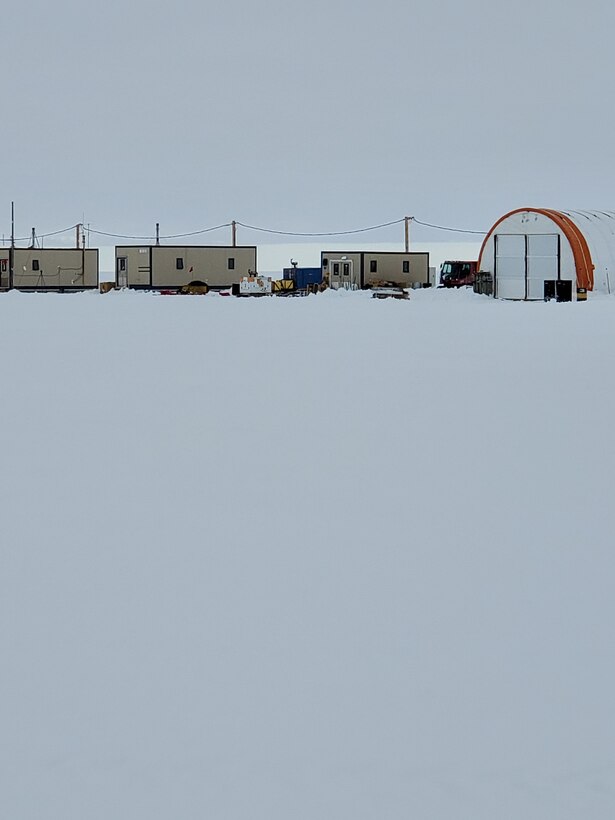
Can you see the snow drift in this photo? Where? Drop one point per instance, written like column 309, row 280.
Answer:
column 308, row 558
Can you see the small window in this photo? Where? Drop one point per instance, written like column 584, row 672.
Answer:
column 179, row 263
column 336, row 268
column 346, row 269
column 231, row 263
column 373, row 266
column 121, row 263
column 35, row 265
column 325, row 262
column 405, row 266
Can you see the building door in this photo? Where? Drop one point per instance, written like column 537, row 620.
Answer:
column 121, row 276
column 510, row 272
column 523, row 262
column 542, row 263
column 5, row 270
column 341, row 273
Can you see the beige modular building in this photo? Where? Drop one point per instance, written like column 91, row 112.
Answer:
column 364, row 269
column 53, row 269
column 161, row 267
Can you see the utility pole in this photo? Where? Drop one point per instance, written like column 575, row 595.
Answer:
column 234, row 233
column 77, row 237
column 407, row 220
column 157, row 233
column 33, row 240
column 12, row 224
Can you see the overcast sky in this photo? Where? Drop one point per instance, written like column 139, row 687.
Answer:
column 307, row 116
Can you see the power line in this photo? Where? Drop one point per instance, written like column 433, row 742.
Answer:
column 452, row 230
column 201, row 231
column 43, row 235
column 166, row 236
column 324, row 233
column 55, row 233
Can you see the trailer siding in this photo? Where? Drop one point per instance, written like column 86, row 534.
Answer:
column 52, row 268
column 372, row 267
column 172, row 266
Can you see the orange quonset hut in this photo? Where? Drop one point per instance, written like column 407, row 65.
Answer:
column 529, row 249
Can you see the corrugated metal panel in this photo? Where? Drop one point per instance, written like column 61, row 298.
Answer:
column 542, row 262
column 598, row 227
column 510, row 266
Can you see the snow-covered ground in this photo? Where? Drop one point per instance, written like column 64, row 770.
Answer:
column 329, row 557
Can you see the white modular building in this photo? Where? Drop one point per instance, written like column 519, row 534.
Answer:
column 533, row 252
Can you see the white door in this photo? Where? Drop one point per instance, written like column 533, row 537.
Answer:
column 341, row 273
column 5, row 269
column 510, row 266
column 542, row 263
column 122, row 272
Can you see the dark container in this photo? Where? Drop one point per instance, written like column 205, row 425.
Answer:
column 483, row 283
column 564, row 290
column 303, row 276
column 549, row 289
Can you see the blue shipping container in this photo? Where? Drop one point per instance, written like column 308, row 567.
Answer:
column 303, row 276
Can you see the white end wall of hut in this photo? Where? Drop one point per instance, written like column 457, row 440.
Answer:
column 521, row 224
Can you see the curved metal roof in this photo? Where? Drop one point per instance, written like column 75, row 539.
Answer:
column 591, row 235
column 598, row 228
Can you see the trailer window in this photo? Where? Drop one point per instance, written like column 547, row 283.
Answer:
column 231, row 263
column 405, row 266
column 35, row 265
column 373, row 266
column 179, row 263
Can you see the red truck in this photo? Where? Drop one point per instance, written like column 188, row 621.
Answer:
column 457, row 274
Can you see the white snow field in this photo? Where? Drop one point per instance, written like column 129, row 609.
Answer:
column 329, row 558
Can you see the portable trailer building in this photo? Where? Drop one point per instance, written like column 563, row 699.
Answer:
column 532, row 253
column 158, row 267
column 363, row 269
column 49, row 269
